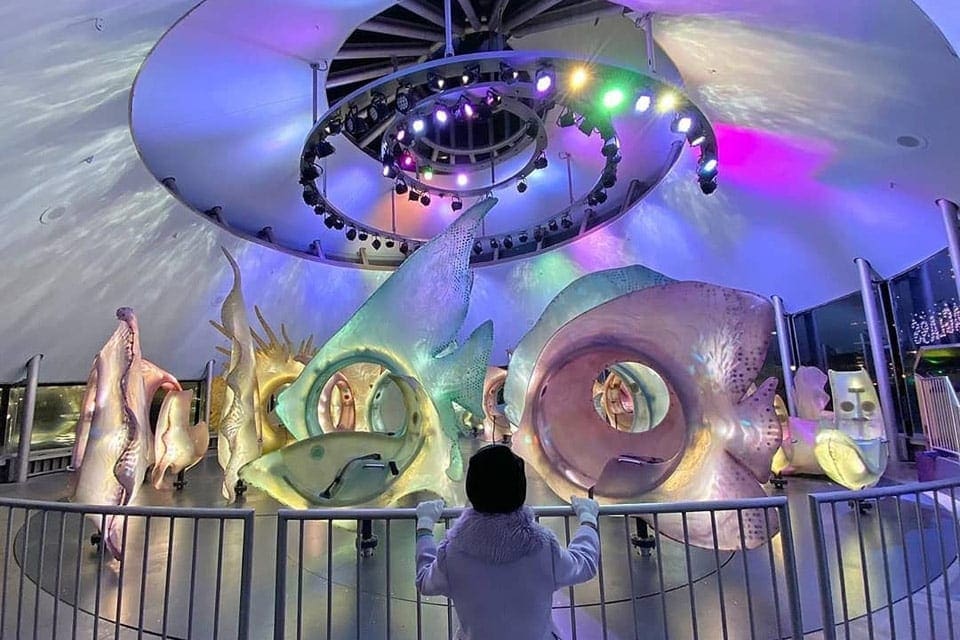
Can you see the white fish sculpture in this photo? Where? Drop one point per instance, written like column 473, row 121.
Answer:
column 240, row 432
column 178, row 445
column 114, row 445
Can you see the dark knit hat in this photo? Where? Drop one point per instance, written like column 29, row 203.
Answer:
column 496, row 482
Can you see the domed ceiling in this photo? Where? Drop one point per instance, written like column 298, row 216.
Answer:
column 834, row 124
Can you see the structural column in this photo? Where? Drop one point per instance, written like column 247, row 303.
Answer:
column 207, row 390
column 950, row 210
column 784, row 340
column 876, row 331
column 26, row 428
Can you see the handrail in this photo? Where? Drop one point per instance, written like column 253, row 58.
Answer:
column 883, row 492
column 225, row 513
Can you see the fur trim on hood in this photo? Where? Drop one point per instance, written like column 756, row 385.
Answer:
column 497, row 538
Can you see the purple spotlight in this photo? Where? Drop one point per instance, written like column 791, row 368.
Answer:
column 462, row 179
column 441, row 115
column 468, row 111
column 544, row 79
column 419, row 125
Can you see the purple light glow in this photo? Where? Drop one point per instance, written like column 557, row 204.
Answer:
column 462, row 179
column 544, row 83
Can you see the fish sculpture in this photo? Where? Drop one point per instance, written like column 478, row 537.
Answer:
column 495, row 423
column 178, row 445
column 716, row 438
column 410, row 328
column 114, row 444
column 240, row 430
column 796, row 453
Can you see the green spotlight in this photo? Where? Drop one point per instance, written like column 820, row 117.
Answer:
column 613, row 98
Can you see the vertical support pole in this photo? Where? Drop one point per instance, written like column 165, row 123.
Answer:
column 949, row 209
column 876, row 332
column 566, row 156
column 448, row 28
column 646, row 23
column 784, row 340
column 208, row 390
column 315, row 68
column 823, row 571
column 26, row 429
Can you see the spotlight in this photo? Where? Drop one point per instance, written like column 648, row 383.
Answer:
column 425, row 198
column 643, row 103
column 462, row 180
column 681, row 124
column 465, row 110
column 324, row 149
column 470, row 74
column 403, row 137
column 404, row 248
column 400, row 187
column 408, row 162
column 389, row 169
column 613, row 98
column 667, row 101
column 601, row 197
column 378, row 109
column 309, row 173
column 333, row 126
column 354, row 124
column 552, row 225
column 477, row 247
column 362, row 235
column 543, row 80
column 522, row 236
column 441, row 114
column 508, row 74
column 493, row 98
column 521, row 185
column 352, row 233
column 427, row 173
column 508, row 242
column 567, row 119
column 328, row 220
column 413, row 196
column 375, row 244
column 338, row 223
column 592, row 199
column 457, row 204
column 615, row 159
column 579, row 78
column 540, row 162
column 608, row 178
column 320, row 209
column 566, row 222
column 533, row 127
column 388, row 243
column 611, row 146
column 538, row 234
column 586, row 125
column 696, row 137
column 494, row 243
column 707, row 167
column 435, row 82
column 484, row 111
column 402, row 100
column 708, row 185
column 419, row 125
column 310, row 195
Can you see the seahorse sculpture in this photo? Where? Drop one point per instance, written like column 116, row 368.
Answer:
column 178, row 444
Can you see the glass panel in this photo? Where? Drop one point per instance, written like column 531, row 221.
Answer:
column 54, row 419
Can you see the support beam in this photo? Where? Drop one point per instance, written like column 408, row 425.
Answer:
column 26, row 427
column 401, row 28
column 362, row 51
column 784, row 340
column 651, row 45
column 422, row 10
column 472, row 18
column 365, row 74
column 377, row 131
column 496, row 16
column 876, row 330
column 448, row 28
column 567, row 16
column 208, row 390
column 530, row 12
column 949, row 209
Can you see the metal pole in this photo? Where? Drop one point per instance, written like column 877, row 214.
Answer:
column 823, row 571
column 448, row 28
column 315, row 67
column 784, row 340
column 647, row 24
column 208, row 390
column 949, row 209
column 566, row 156
column 875, row 330
column 26, row 428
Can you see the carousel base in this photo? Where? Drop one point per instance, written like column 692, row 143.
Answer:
column 88, row 583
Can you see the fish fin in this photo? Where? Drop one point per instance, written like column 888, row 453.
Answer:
column 761, row 431
column 468, row 367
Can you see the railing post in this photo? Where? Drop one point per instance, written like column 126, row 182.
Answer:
column 280, row 587
column 790, row 571
column 26, row 427
column 876, row 332
column 823, row 571
column 949, row 209
column 246, row 577
column 784, row 340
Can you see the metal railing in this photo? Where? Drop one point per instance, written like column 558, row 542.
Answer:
column 896, row 581
column 166, row 583
column 939, row 412
column 371, row 593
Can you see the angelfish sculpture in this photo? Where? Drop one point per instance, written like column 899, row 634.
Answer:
column 240, row 431
column 114, row 445
column 715, row 441
column 409, row 326
column 178, row 445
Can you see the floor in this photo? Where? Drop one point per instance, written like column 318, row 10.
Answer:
column 181, row 597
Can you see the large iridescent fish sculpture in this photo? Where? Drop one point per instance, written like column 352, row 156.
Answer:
column 716, row 439
column 240, row 429
column 179, row 445
column 114, row 444
column 410, row 328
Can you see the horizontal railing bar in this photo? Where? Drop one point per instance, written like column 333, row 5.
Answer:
column 884, row 492
column 770, row 502
column 129, row 510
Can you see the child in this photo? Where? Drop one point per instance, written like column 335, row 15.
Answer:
column 497, row 564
